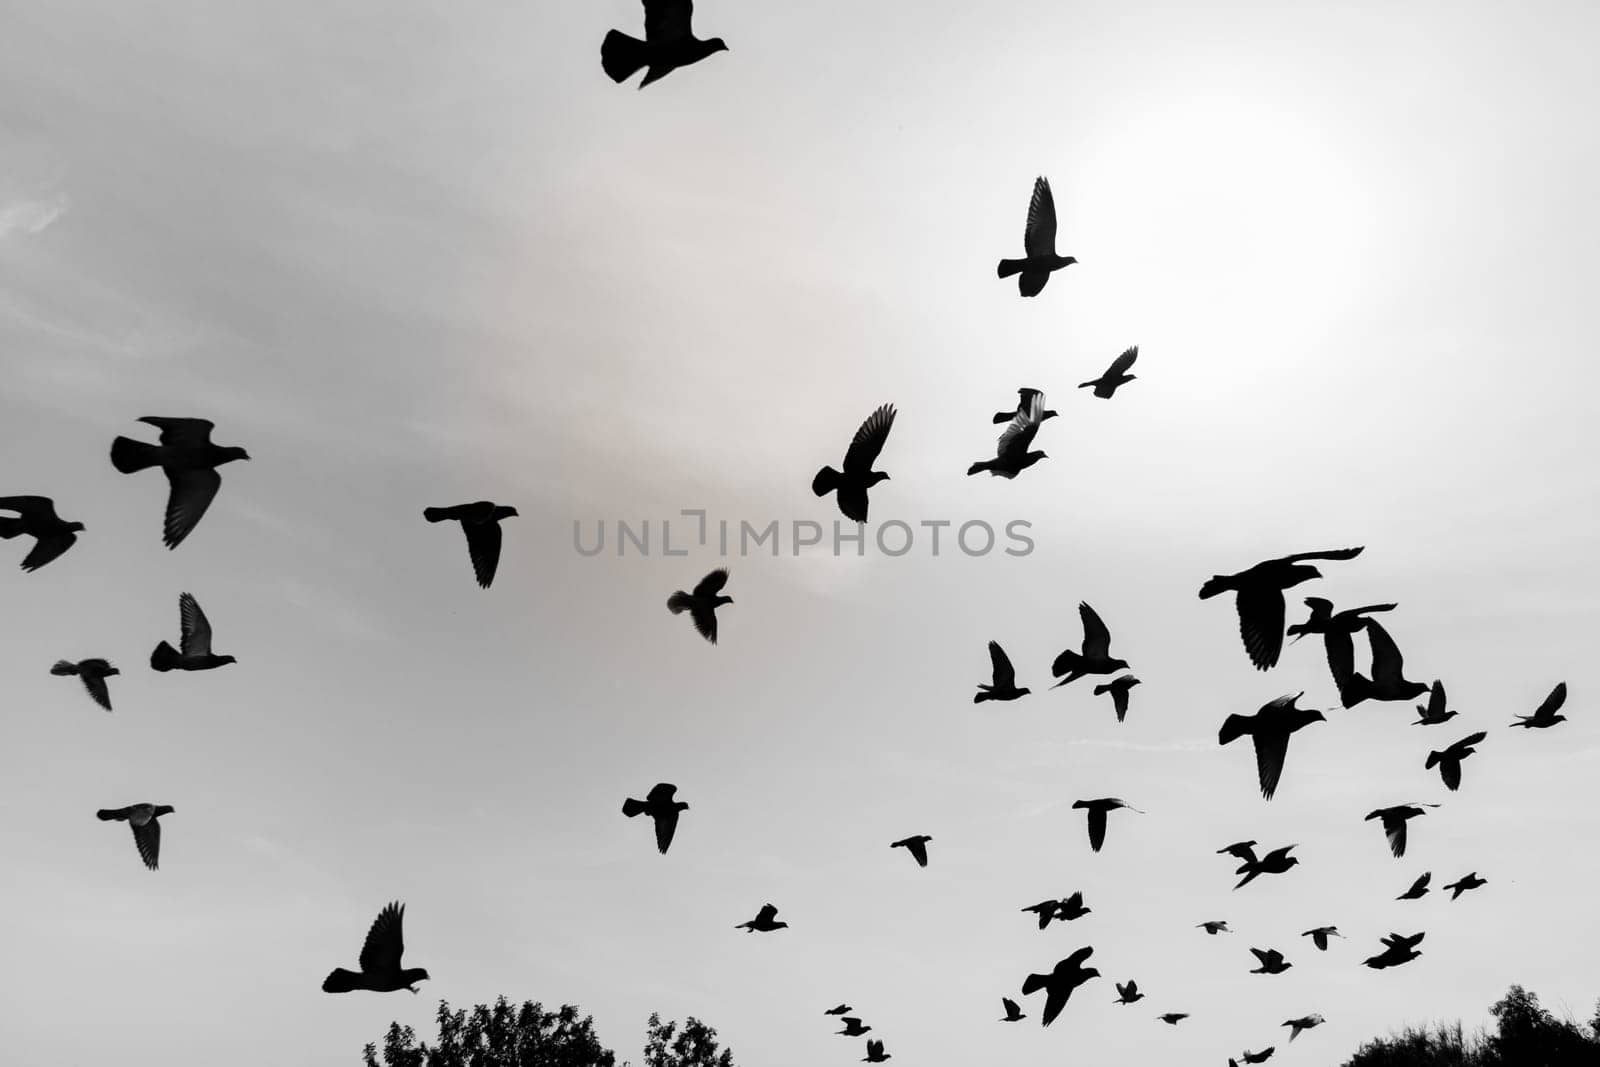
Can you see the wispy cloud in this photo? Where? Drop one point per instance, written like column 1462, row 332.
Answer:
column 31, row 217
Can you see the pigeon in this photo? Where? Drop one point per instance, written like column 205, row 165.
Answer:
column 1097, row 817
column 1338, row 630
column 94, row 673
column 480, row 521
column 36, row 518
column 141, row 818
column 1011, row 452
column 1214, row 927
column 1272, row 961
column 1398, row 949
column 852, row 483
column 1419, row 888
column 380, row 959
column 1433, row 712
column 669, row 43
column 1024, row 404
column 852, row 1027
column 1461, row 885
column 1039, row 242
column 1259, row 598
column 1118, row 688
column 1545, row 715
column 1013, row 1012
column 1388, row 681
column 1259, row 1057
column 1058, row 985
column 1394, row 823
column 1003, row 685
column 1305, row 1022
column 1320, row 935
column 1278, row 861
column 875, row 1053
column 702, row 604
column 764, row 922
column 1173, row 1018
column 917, row 846
column 1269, row 729
column 1449, row 761
column 1072, row 908
column 1241, row 850
column 1128, row 992
column 194, row 642
column 842, row 1009
column 1105, row 386
column 1045, row 910
column 662, row 806
column 189, row 460
column 1095, row 654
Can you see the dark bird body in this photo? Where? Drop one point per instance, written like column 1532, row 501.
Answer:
column 1013, row 1012
column 852, row 1027
column 1433, row 713
column 1419, row 888
column 1394, row 823
column 189, row 460
column 1338, row 630
column 1397, row 949
column 1269, row 729
column 1278, row 861
column 1116, row 375
column 1094, row 655
column 1024, row 405
column 1320, row 935
column 480, row 521
column 1011, row 453
column 380, row 959
column 702, row 604
column 1449, row 760
column 93, row 672
column 662, row 805
column 851, row 484
column 1214, row 927
column 1003, row 683
column 669, row 43
column 142, row 819
column 1259, row 1057
column 194, row 642
column 1545, row 715
column 1173, row 1018
column 1305, row 1022
column 917, row 846
column 842, row 1009
column 1039, row 244
column 1098, row 809
column 1258, row 597
column 875, row 1053
column 1270, row 961
column 36, row 518
column 1128, row 992
column 1388, row 681
column 1058, row 985
column 1072, row 908
column 1461, row 885
column 1118, row 688
column 765, row 922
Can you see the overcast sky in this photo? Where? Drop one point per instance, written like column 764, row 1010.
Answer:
column 417, row 254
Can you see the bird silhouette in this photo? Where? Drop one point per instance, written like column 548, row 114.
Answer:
column 1394, row 823
column 1258, row 597
column 1305, row 1022
column 1278, row 861
column 1449, row 761
column 662, row 806
column 1433, row 713
column 1024, row 405
column 1398, row 949
column 1013, row 1012
column 1214, row 927
column 189, row 460
column 36, row 518
column 765, row 921
column 1241, row 850
column 1072, row 907
column 1388, row 681
column 1105, row 386
column 1259, row 1057
column 1039, row 244
column 1419, row 888
column 93, row 672
column 1128, row 992
column 669, row 43
column 1045, row 910
column 1545, row 715
column 480, row 521
column 842, row 1009
column 1338, row 630
column 1271, row 961
column 1461, row 885
column 1003, row 684
column 142, row 819
column 1269, row 729
column 1094, row 656
column 1118, row 688
column 875, row 1053
column 917, row 846
column 1098, row 810
column 194, row 642
column 1011, row 452
column 1173, row 1018
column 380, row 959
column 851, row 484
column 702, row 604
column 852, row 1027
column 1320, row 935
column 1058, row 985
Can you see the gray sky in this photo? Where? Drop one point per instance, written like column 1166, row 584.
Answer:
column 422, row 254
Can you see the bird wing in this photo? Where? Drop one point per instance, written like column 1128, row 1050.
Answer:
column 667, row 21
column 1470, row 740
column 1341, row 661
column 192, row 490
column 705, row 620
column 1039, row 239
column 1096, row 638
column 1121, row 364
column 712, row 583
column 661, row 793
column 1264, row 956
column 766, row 914
column 483, row 546
column 1097, row 828
column 96, row 685
column 1074, row 902
column 1553, row 702
column 147, row 839
column 666, row 825
column 385, row 942
column 1271, row 748
column 1005, row 675
column 48, row 548
column 1436, row 700
column 1016, row 437
column 31, row 507
column 1387, row 663
column 1395, row 829
column 868, row 441
column 185, row 433
column 919, row 851
column 1336, row 553
column 1261, row 624
column 1119, row 702
column 1010, row 1006
column 194, row 628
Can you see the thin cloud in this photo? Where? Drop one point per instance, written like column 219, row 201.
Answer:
column 31, row 217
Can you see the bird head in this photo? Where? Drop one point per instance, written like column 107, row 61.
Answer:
column 110, row 670
column 227, row 659
column 724, row 600
column 717, row 44
column 1291, row 861
column 1067, row 261
column 164, row 809
column 1118, row 664
column 505, row 511
column 878, row 476
column 75, row 527
column 232, row 452
column 682, row 805
column 413, row 976
column 1023, row 692
column 1088, row 973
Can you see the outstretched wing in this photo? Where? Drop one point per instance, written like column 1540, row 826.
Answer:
column 1341, row 651
column 712, row 583
column 190, row 493
column 147, row 839
column 666, row 825
column 868, row 441
column 1096, row 638
column 667, row 21
column 767, row 913
column 96, row 685
column 483, row 546
column 1336, row 553
column 1394, row 827
column 1271, row 748
column 1120, row 365
column 661, row 793
column 1387, row 663
column 385, row 943
column 1018, row 436
column 48, row 548
column 1005, row 676
column 1097, row 828
column 32, row 508
column 194, row 628
column 1039, row 239
column 1553, row 702
column 1261, row 624
column 185, row 433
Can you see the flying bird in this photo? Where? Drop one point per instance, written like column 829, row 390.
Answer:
column 1305, row 1022
column 1258, row 597
column 1011, row 452
column 1388, row 681
column 380, row 959
column 189, row 460
column 842, row 1009
column 194, row 642
column 1214, row 927
column 36, row 518
column 1094, row 656
column 1259, row 1057
column 1338, row 630
column 875, row 1053
column 1058, row 985
column 1278, row 861
column 917, row 846
column 852, row 1027
column 480, row 521
column 1105, row 386
column 1072, row 908
column 1013, row 1012
column 1173, row 1018
column 1241, row 850
column 1024, row 404
column 1419, row 888
column 1545, row 715
column 1118, row 688
column 852, row 483
column 1045, row 910
column 1269, row 729
column 1128, row 992
column 1394, row 823
column 1433, row 713
column 1449, row 761
column 669, row 43
column 94, row 673
column 1039, row 244
column 1461, row 885
column 142, row 819
column 764, row 922
column 1271, row 960
column 1003, row 684
column 1397, row 949
column 1098, row 810
column 1320, row 935
column 702, row 604
column 662, row 805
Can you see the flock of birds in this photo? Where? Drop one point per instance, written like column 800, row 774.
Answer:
column 189, row 459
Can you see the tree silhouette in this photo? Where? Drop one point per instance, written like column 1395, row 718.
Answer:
column 498, row 1036
column 1526, row 1035
column 693, row 1046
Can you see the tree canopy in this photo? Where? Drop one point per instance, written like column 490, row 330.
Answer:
column 1525, row 1035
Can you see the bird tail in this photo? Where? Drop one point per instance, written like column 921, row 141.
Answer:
column 826, row 481
column 1087, row 384
column 339, row 980
column 129, row 456
column 435, row 514
column 64, row 667
column 1034, row 982
column 1355, row 689
column 985, row 692
column 164, row 658
column 621, row 55
column 1008, row 267
column 106, row 814
column 1217, row 584
column 632, row 807
column 1433, row 759
column 1068, row 667
column 1234, row 726
column 980, row 466
column 680, row 602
